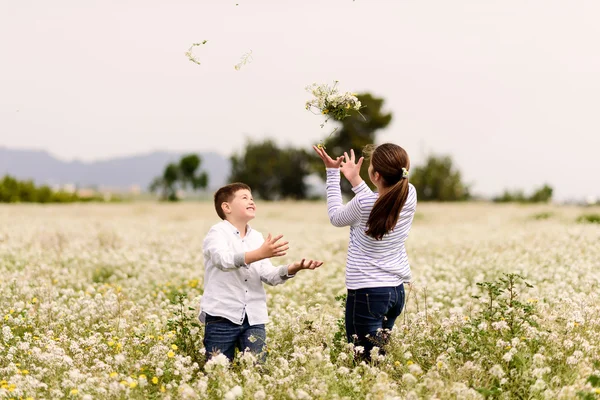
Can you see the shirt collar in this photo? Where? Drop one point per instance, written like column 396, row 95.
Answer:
column 233, row 229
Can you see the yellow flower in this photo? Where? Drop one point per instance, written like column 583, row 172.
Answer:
column 25, row 372
column 409, row 362
column 193, row 283
column 11, row 311
column 34, row 300
column 151, row 337
column 162, row 389
column 174, row 346
column 113, row 374
column 123, row 383
column 6, row 317
column 29, row 398
column 160, row 337
column 111, row 343
column 397, row 363
column 119, row 346
column 74, row 391
column 507, row 348
column 597, row 391
column 325, row 111
column 155, row 380
column 142, row 376
column 133, row 384
column 171, row 354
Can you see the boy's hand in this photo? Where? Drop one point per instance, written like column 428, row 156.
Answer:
column 270, row 248
column 351, row 168
column 304, row 264
column 327, row 160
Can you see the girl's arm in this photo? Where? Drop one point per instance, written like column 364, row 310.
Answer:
column 340, row 214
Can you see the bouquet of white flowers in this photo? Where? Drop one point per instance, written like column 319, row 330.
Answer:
column 330, row 102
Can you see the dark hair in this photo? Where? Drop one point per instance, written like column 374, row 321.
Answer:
column 388, row 159
column 226, row 194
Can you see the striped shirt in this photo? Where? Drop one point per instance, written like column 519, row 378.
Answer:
column 370, row 263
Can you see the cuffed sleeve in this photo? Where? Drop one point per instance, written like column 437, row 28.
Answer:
column 362, row 188
column 273, row 275
column 239, row 259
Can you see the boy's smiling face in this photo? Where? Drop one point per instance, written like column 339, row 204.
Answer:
column 241, row 207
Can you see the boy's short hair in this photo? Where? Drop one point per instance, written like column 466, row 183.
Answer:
column 226, row 194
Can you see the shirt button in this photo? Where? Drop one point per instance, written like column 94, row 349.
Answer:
column 245, row 280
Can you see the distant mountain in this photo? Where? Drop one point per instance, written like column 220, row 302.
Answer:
column 121, row 172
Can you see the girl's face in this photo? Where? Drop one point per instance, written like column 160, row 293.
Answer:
column 374, row 176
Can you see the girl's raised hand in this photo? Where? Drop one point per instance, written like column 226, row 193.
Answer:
column 327, row 160
column 351, row 168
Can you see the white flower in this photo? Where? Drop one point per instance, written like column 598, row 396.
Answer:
column 409, row 379
column 234, row 393
column 497, row 371
column 500, row 325
column 6, row 333
column 220, row 360
column 538, row 386
column 415, row 369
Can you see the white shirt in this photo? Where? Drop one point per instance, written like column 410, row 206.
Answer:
column 233, row 289
column 370, row 262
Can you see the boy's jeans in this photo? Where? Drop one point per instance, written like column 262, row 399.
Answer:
column 369, row 313
column 223, row 336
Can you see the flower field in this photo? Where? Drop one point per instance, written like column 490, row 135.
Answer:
column 100, row 301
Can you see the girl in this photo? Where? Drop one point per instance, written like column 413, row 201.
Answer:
column 377, row 265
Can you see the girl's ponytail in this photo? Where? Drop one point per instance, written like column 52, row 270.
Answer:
column 392, row 163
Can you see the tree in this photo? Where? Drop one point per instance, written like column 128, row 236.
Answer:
column 293, row 169
column 439, row 180
column 541, row 195
column 180, row 175
column 15, row 191
column 356, row 132
column 271, row 172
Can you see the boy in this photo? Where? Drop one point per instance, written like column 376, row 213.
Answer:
column 236, row 262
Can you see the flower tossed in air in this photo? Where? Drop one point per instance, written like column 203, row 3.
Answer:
column 330, row 102
column 189, row 53
column 245, row 59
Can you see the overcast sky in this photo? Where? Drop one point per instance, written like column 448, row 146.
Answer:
column 509, row 88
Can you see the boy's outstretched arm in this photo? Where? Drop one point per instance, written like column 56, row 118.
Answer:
column 276, row 275
column 303, row 264
column 216, row 248
column 270, row 248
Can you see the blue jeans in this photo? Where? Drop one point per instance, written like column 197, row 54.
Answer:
column 370, row 315
column 223, row 336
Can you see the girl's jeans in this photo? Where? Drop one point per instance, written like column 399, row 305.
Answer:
column 223, row 336
column 370, row 315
